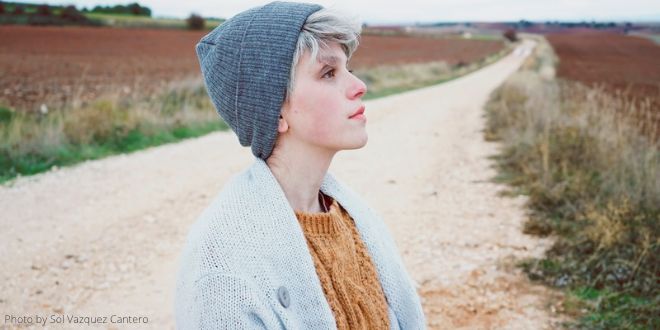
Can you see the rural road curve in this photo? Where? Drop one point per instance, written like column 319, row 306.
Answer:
column 103, row 237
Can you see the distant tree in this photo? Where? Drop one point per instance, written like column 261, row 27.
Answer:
column 627, row 26
column 510, row 35
column 44, row 10
column 119, row 9
column 195, row 22
column 130, row 9
column 19, row 10
column 2, row 8
column 71, row 14
column 136, row 9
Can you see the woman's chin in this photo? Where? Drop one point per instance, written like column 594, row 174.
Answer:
column 358, row 143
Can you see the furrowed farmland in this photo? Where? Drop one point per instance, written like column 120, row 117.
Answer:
column 45, row 65
column 629, row 64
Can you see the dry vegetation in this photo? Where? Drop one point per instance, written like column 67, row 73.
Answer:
column 593, row 178
column 112, row 123
column 625, row 66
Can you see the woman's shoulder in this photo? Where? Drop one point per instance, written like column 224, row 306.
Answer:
column 239, row 221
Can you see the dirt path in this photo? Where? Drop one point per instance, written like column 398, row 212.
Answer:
column 103, row 238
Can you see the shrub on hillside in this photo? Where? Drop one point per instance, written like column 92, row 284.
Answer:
column 510, row 35
column 195, row 22
column 71, row 14
column 138, row 10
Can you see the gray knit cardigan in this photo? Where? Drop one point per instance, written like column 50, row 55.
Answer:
column 246, row 264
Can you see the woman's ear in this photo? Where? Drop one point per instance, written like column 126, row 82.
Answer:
column 282, row 125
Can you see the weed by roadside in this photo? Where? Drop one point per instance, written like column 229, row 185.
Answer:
column 593, row 180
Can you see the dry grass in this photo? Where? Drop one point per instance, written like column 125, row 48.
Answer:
column 592, row 173
column 73, row 131
column 389, row 79
column 388, row 76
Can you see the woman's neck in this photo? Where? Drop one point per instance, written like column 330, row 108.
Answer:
column 300, row 178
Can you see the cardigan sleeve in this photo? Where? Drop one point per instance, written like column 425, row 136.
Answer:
column 222, row 301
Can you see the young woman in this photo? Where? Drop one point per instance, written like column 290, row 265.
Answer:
column 285, row 245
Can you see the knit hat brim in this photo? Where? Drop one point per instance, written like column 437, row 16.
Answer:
column 246, row 64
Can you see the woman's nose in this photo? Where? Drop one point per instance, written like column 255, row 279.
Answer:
column 358, row 88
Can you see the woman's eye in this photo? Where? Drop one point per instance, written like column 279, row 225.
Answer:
column 331, row 73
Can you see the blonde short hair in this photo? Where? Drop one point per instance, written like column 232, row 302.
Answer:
column 322, row 27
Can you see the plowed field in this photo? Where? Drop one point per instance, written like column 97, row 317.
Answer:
column 54, row 64
column 615, row 61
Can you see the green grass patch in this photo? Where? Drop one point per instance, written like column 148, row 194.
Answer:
column 69, row 154
column 130, row 21
column 72, row 154
column 5, row 115
column 607, row 309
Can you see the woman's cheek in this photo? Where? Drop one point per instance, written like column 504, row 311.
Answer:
column 321, row 131
column 322, row 122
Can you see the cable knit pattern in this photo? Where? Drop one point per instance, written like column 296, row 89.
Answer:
column 347, row 275
column 246, row 263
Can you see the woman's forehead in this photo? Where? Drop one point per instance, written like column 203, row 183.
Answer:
column 331, row 55
column 332, row 58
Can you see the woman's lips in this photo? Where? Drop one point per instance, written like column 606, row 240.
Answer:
column 358, row 114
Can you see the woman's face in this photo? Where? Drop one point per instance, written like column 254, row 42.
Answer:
column 325, row 95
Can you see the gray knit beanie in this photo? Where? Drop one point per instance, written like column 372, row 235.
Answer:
column 246, row 63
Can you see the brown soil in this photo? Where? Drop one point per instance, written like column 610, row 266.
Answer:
column 59, row 64
column 614, row 61
column 378, row 50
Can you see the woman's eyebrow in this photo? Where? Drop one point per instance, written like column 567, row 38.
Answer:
column 330, row 59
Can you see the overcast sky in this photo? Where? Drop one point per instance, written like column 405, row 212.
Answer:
column 375, row 12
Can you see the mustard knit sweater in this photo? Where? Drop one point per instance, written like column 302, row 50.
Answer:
column 348, row 277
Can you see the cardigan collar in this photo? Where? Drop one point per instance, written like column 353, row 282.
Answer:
column 290, row 234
